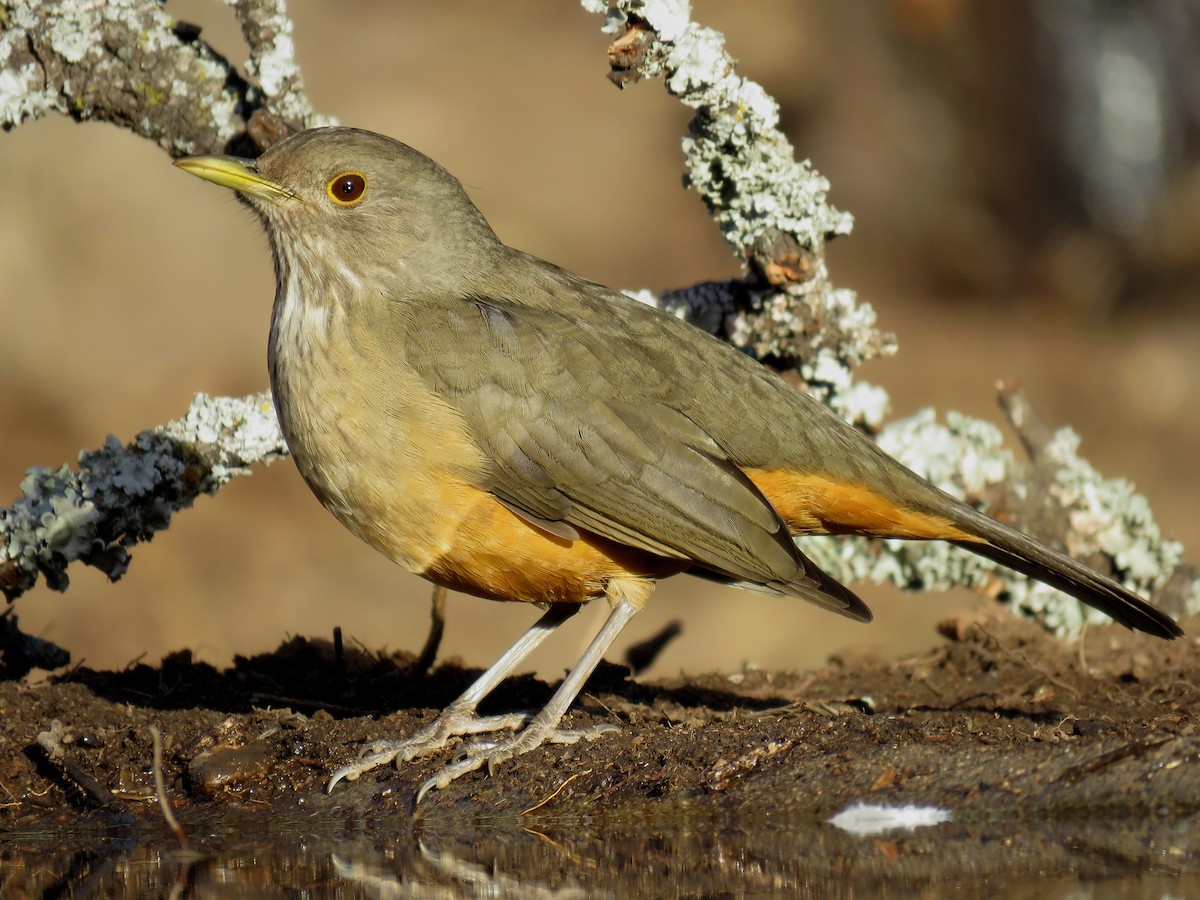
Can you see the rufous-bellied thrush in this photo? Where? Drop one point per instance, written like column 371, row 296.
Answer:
column 505, row 428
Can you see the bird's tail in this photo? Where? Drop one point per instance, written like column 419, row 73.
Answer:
column 905, row 505
column 1031, row 557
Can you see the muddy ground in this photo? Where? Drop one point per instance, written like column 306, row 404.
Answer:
column 1087, row 759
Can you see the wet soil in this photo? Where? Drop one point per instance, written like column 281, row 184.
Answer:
column 1065, row 761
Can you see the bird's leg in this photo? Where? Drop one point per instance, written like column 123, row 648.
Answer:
column 459, row 717
column 544, row 726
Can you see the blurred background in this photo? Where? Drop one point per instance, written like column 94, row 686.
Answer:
column 1024, row 179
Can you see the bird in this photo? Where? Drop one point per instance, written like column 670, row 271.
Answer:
column 508, row 429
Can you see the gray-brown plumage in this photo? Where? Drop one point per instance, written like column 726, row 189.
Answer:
column 506, row 428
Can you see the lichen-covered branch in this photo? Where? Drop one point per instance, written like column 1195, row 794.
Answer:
column 128, row 62
column 267, row 30
column 773, row 211
column 122, row 494
column 771, row 208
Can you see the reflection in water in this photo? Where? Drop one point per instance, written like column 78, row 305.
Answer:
column 694, row 852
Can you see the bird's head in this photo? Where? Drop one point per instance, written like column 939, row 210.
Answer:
column 359, row 207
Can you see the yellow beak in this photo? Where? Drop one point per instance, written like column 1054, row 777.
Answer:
column 238, row 174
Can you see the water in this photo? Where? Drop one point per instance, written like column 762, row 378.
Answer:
column 694, row 852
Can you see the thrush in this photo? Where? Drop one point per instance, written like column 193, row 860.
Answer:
column 503, row 427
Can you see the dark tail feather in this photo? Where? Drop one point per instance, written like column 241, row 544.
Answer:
column 813, row 584
column 1030, row 557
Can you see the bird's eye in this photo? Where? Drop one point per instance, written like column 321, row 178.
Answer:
column 348, row 188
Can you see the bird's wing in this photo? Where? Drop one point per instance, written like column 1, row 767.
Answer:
column 579, row 430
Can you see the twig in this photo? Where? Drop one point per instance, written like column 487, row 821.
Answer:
column 641, row 656
column 557, row 791
column 160, row 790
column 437, row 627
column 1026, row 423
column 771, row 208
column 50, row 742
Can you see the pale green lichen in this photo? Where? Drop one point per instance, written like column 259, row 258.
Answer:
column 74, row 33
column 964, row 457
column 267, row 29
column 1109, row 516
column 20, row 97
column 668, row 17
column 735, row 141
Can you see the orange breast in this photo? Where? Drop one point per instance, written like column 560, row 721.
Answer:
column 496, row 554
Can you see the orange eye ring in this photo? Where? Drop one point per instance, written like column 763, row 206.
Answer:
column 348, row 188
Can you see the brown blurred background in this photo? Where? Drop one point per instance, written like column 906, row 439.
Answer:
column 1027, row 198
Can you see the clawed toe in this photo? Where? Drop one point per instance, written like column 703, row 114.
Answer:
column 450, row 724
column 492, row 753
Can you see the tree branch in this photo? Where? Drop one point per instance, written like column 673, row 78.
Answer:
column 121, row 495
column 131, row 64
column 772, row 210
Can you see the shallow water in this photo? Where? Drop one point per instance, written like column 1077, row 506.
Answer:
column 699, row 853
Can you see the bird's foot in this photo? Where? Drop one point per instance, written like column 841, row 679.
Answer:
column 490, row 753
column 453, row 722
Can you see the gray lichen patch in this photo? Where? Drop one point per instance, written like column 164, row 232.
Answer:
column 267, row 30
column 1108, row 516
column 122, row 494
column 73, row 34
column 132, row 64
